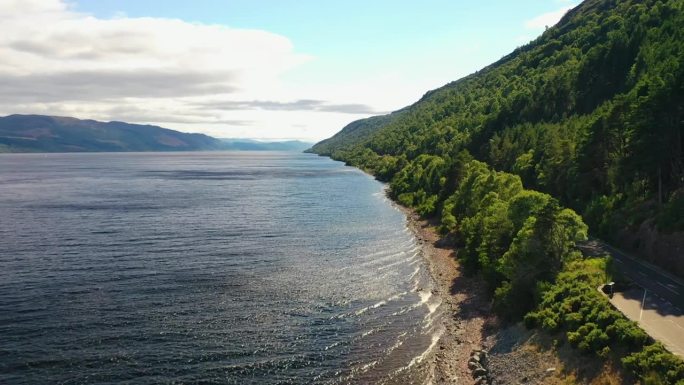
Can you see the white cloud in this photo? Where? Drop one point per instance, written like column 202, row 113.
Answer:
column 11, row 8
column 548, row 19
column 154, row 70
column 194, row 77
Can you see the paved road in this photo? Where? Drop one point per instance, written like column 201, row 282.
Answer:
column 657, row 317
column 644, row 274
column 656, row 305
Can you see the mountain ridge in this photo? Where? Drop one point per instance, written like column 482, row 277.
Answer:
column 591, row 112
column 44, row 133
column 47, row 133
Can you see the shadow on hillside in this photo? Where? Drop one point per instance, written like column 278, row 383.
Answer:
column 472, row 290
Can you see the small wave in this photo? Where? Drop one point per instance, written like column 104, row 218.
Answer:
column 391, row 249
column 404, row 310
column 425, row 296
column 419, row 358
column 365, row 309
column 378, row 261
column 374, row 306
column 367, row 366
column 415, row 272
column 415, row 261
column 397, row 296
column 398, row 262
column 370, row 260
column 334, row 344
column 397, row 344
column 432, row 306
column 429, row 320
column 416, row 284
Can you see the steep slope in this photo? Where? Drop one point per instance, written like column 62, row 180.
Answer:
column 353, row 133
column 38, row 133
column 590, row 112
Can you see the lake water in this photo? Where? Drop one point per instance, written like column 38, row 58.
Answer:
column 212, row 267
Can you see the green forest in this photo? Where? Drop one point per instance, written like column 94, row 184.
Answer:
column 590, row 112
column 578, row 132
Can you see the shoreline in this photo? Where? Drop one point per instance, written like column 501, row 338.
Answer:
column 515, row 355
column 467, row 310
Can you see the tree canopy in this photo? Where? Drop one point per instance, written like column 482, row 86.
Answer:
column 591, row 112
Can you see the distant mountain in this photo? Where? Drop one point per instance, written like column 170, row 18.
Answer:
column 256, row 145
column 40, row 133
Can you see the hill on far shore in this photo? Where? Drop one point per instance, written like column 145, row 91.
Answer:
column 40, row 133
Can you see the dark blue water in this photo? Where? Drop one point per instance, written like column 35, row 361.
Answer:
column 242, row 268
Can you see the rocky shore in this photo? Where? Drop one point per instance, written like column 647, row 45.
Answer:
column 467, row 307
column 476, row 349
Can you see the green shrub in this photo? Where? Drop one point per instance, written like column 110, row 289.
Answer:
column 573, row 304
column 573, row 320
column 604, row 353
column 655, row 359
column 531, row 320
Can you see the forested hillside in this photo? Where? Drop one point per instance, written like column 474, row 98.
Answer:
column 591, row 112
column 585, row 119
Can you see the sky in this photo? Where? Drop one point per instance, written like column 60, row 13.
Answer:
column 264, row 69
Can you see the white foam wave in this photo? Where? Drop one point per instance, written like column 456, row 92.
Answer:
column 397, row 296
column 429, row 320
column 332, row 345
column 375, row 306
column 368, row 366
column 425, row 296
column 413, row 275
column 397, row 344
column 370, row 259
column 414, row 255
column 419, row 358
column 416, row 285
column 433, row 306
column 403, row 310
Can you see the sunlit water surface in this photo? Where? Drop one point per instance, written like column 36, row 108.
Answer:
column 233, row 267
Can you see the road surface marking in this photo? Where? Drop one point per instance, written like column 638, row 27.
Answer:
column 675, row 324
column 667, row 287
column 642, row 305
